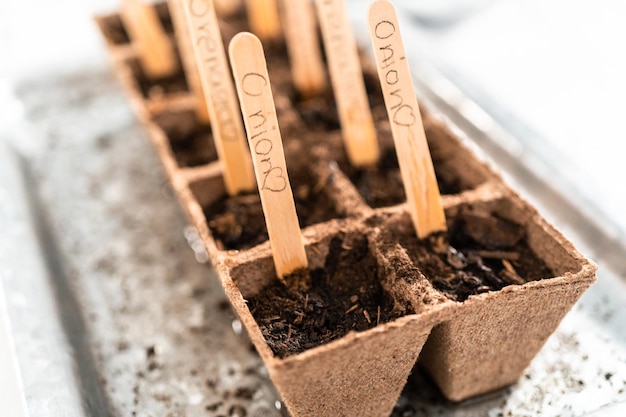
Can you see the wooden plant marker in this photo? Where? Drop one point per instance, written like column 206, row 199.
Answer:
column 185, row 48
column 416, row 166
column 259, row 113
column 264, row 19
column 228, row 133
column 357, row 125
column 156, row 52
column 307, row 66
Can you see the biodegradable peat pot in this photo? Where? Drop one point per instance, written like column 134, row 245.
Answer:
column 320, row 365
column 493, row 336
column 509, row 280
column 358, row 368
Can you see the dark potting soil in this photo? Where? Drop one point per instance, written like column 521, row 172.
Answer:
column 195, row 149
column 382, row 186
column 481, row 252
column 164, row 16
column 191, row 141
column 345, row 295
column 321, row 114
column 158, row 87
column 115, row 31
column 238, row 222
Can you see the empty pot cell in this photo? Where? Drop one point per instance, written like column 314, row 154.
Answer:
column 238, row 222
column 159, row 87
column 191, row 141
column 492, row 337
column 113, row 30
column 483, row 251
column 342, row 293
column 326, row 349
column 208, row 190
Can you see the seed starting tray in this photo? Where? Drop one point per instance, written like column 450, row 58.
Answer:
column 469, row 347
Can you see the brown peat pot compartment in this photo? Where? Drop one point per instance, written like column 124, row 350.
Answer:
column 381, row 186
column 238, row 222
column 158, row 88
column 191, row 141
column 328, row 349
column 456, row 167
column 163, row 11
column 457, row 170
column 511, row 278
column 208, row 190
column 487, row 248
column 113, row 30
column 343, row 291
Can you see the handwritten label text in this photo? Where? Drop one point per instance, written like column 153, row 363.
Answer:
column 402, row 113
column 209, row 43
column 262, row 133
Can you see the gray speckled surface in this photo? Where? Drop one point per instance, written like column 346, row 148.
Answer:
column 144, row 329
column 152, row 321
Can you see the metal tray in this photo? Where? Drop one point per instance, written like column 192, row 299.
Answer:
column 112, row 314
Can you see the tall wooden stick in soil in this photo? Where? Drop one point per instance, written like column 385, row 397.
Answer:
column 217, row 84
column 259, row 114
column 416, row 166
column 264, row 19
column 303, row 46
column 188, row 58
column 357, row 124
column 156, row 52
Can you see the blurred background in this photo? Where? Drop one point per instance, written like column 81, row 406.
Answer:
column 550, row 74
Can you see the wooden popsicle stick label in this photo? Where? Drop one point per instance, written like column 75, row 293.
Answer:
column 228, row 133
column 303, row 46
column 185, row 49
column 346, row 74
column 416, row 166
column 156, row 52
column 259, row 113
column 264, row 19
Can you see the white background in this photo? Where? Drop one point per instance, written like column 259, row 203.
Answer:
column 557, row 65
